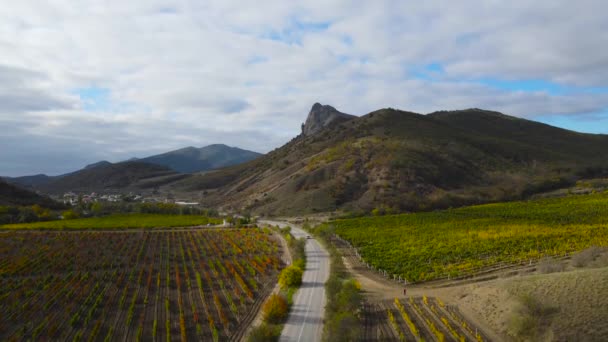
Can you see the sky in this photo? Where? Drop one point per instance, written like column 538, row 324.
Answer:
column 83, row 81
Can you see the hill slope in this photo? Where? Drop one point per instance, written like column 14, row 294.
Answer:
column 191, row 159
column 12, row 195
column 29, row 181
column 565, row 306
column 397, row 160
column 120, row 176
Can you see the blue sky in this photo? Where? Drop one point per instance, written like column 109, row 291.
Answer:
column 94, row 99
column 88, row 80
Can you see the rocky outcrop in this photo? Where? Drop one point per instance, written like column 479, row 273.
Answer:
column 321, row 116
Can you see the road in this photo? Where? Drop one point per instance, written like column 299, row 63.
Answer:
column 305, row 322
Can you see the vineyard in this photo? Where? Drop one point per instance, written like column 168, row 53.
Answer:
column 145, row 285
column 417, row 319
column 451, row 243
column 119, row 222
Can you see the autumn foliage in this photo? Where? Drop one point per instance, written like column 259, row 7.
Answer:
column 276, row 309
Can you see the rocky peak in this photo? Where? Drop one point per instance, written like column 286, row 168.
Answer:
column 321, row 116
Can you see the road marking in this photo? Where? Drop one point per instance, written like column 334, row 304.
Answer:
column 309, row 298
column 317, row 295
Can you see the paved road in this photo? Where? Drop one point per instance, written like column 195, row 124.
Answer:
column 305, row 322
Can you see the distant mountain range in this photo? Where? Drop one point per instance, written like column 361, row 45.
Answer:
column 390, row 160
column 192, row 159
column 154, row 169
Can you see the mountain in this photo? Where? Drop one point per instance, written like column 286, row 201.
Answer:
column 191, row 159
column 121, row 177
column 29, row 181
column 160, row 169
column 394, row 160
column 321, row 116
column 100, row 163
column 14, row 195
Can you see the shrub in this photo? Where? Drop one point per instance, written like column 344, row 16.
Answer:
column 276, row 309
column 265, row 333
column 300, row 263
column 531, row 321
column 69, row 214
column 291, row 276
column 344, row 326
column 349, row 298
column 550, row 265
column 586, row 256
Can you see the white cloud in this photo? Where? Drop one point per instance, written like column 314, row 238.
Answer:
column 245, row 73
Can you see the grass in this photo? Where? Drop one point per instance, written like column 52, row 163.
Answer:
column 118, row 222
column 425, row 246
column 569, row 305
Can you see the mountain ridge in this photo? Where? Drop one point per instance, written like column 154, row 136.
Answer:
column 403, row 161
column 191, row 159
column 185, row 160
column 321, row 116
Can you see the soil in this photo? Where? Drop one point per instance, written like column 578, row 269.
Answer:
column 577, row 298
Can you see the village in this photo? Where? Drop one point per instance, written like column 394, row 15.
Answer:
column 72, row 198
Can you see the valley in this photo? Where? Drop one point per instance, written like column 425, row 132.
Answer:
column 304, row 171
column 495, row 226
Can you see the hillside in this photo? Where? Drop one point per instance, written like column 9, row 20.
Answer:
column 185, row 160
column 29, row 181
column 542, row 307
column 120, row 176
column 192, row 159
column 11, row 195
column 394, row 160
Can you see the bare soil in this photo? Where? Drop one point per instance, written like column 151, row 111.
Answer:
column 575, row 298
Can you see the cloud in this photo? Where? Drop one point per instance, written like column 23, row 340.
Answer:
column 22, row 90
column 112, row 79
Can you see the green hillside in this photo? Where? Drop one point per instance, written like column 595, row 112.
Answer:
column 424, row 246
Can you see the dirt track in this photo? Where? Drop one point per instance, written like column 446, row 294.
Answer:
column 490, row 299
column 381, row 292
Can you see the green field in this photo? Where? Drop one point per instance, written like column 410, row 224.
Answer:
column 425, row 246
column 120, row 221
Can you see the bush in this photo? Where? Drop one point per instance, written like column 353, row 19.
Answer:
column 276, row 309
column 291, row 276
column 344, row 326
column 69, row 215
column 531, row 321
column 300, row 263
column 349, row 298
column 265, row 333
column 586, row 256
column 550, row 265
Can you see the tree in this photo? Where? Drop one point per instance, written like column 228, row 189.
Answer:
column 42, row 213
column 291, row 276
column 343, row 327
column 276, row 309
column 69, row 214
column 26, row 214
column 96, row 208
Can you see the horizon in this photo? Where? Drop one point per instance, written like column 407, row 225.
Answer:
column 89, row 81
column 139, row 158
